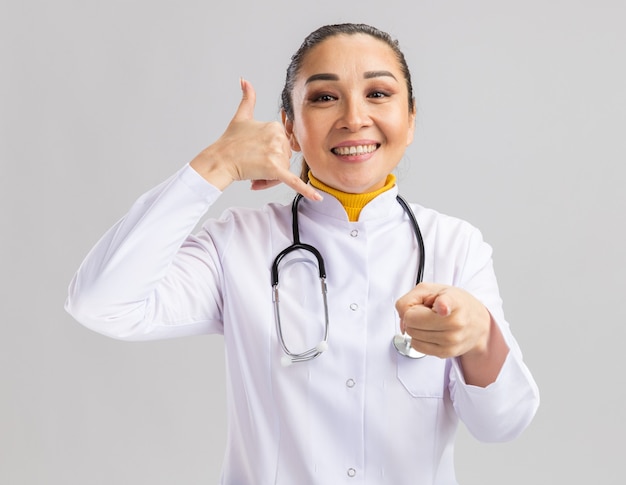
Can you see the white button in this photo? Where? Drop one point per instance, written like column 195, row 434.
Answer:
column 351, row 472
column 354, row 233
column 350, row 383
column 354, row 307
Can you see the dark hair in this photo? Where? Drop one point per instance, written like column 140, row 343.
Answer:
column 323, row 33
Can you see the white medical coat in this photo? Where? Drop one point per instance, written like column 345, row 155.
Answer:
column 358, row 414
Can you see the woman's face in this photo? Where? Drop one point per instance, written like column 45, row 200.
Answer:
column 351, row 117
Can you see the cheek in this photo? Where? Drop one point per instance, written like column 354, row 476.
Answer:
column 308, row 136
column 409, row 136
column 411, row 130
column 403, row 132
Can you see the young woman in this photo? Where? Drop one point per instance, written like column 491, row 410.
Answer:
column 351, row 407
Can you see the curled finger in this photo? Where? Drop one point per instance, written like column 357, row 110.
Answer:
column 296, row 183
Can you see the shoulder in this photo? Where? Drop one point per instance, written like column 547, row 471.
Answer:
column 250, row 215
column 451, row 236
column 440, row 222
column 241, row 221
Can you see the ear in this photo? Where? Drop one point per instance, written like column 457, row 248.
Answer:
column 291, row 136
column 412, row 118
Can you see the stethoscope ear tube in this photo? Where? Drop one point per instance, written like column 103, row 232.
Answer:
column 290, row 356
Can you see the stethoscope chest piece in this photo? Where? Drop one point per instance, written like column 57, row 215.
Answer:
column 402, row 343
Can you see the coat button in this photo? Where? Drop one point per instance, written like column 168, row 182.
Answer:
column 354, row 233
column 354, row 307
column 350, row 383
column 351, row 472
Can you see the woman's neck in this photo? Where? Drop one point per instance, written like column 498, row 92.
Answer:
column 353, row 203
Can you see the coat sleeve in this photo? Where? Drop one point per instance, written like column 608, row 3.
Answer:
column 147, row 278
column 502, row 410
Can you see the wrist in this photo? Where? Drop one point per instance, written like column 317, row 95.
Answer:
column 481, row 365
column 208, row 164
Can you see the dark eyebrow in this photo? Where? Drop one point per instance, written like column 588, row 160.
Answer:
column 326, row 76
column 372, row 74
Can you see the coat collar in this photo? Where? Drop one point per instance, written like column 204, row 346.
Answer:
column 380, row 207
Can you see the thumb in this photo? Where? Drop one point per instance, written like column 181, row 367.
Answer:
column 442, row 305
column 245, row 111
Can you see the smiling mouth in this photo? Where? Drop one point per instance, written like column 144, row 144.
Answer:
column 355, row 149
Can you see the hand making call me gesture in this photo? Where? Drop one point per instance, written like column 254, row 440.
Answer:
column 442, row 320
column 251, row 150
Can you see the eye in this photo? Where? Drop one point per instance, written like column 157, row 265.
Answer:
column 379, row 94
column 322, row 98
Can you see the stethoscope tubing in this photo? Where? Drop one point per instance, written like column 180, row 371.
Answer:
column 402, row 342
column 418, row 235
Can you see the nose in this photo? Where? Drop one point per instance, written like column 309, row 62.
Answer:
column 354, row 114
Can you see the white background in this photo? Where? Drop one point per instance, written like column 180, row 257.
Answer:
column 522, row 114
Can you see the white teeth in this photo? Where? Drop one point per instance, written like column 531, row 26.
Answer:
column 354, row 150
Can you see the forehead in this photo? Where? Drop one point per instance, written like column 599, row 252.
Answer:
column 350, row 53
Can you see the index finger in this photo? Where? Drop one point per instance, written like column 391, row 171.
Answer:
column 422, row 294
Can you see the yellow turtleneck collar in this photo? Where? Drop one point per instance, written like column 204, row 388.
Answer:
column 353, row 203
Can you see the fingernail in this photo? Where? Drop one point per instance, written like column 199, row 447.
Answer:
column 317, row 196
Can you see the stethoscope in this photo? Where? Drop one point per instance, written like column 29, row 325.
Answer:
column 402, row 342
